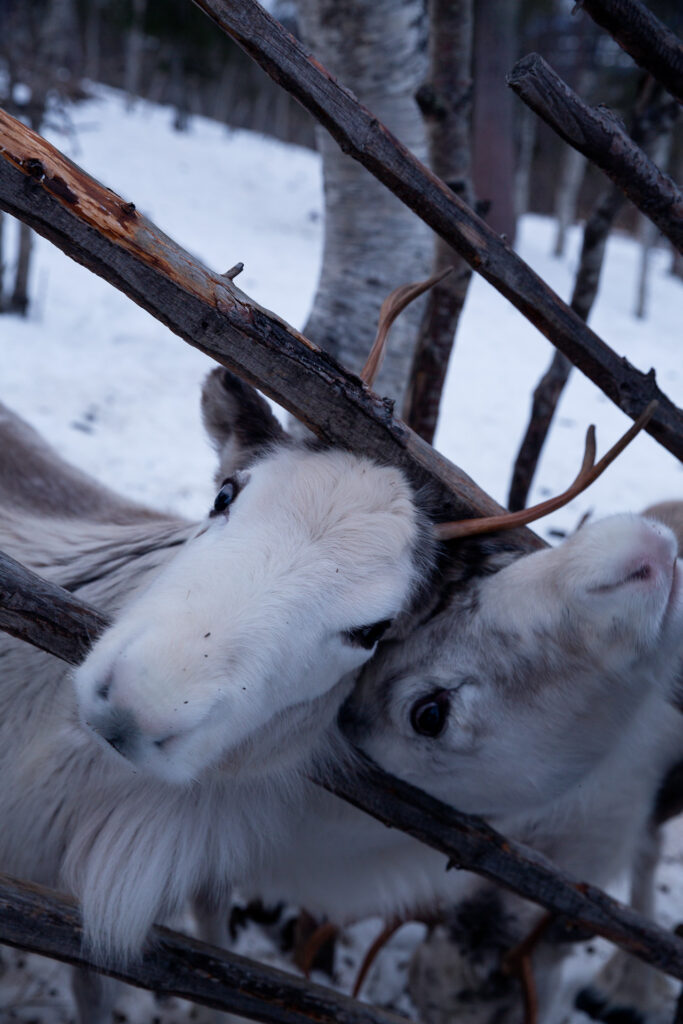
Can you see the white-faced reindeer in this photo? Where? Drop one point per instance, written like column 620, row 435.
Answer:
column 266, row 611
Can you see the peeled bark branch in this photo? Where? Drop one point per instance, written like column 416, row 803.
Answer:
column 108, row 235
column 651, row 44
column 467, row 841
column 46, row 922
column 367, row 140
column 599, row 136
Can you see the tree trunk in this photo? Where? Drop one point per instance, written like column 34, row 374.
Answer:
column 446, row 104
column 572, row 171
column 647, row 231
column 19, row 299
column 528, row 130
column 573, row 164
column 135, row 44
column 178, row 84
column 93, row 48
column 495, row 51
column 372, row 242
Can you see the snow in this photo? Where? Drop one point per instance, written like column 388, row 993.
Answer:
column 117, row 394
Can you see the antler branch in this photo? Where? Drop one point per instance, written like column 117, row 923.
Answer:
column 589, row 472
column 393, row 305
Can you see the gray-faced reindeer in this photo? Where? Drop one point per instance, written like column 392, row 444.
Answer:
column 333, row 545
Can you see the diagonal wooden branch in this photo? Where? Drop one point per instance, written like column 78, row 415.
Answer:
column 367, row 140
column 467, row 841
column 600, row 137
column 46, row 922
column 99, row 229
column 651, row 44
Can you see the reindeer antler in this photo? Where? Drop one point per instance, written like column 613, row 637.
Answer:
column 394, row 304
column 590, row 471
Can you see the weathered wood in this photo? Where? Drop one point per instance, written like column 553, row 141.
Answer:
column 466, row 840
column 105, row 233
column 472, row 845
column 367, row 140
column 47, row 922
column 643, row 36
column 600, row 137
column 28, row 610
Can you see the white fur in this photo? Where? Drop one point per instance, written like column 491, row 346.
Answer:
column 316, row 543
column 560, row 731
column 251, row 618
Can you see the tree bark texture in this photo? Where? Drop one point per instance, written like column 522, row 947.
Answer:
column 446, row 104
column 372, row 242
column 37, row 919
column 600, row 137
column 108, row 235
column 360, row 134
column 495, row 50
column 651, row 44
column 467, row 841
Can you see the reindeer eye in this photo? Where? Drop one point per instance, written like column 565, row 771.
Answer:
column 367, row 636
column 428, row 715
column 227, row 494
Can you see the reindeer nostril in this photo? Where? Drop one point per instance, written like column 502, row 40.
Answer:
column 162, row 743
column 117, row 741
column 103, row 690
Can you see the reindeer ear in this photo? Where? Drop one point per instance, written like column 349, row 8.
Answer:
column 238, row 420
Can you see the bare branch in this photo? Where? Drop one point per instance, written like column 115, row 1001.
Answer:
column 46, row 922
column 651, row 44
column 466, row 840
column 473, row 845
column 367, row 140
column 108, row 235
column 652, row 119
column 600, row 137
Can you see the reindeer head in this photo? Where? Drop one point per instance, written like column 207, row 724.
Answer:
column 512, row 692
column 304, row 560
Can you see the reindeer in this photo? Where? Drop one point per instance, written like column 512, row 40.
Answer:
column 135, row 847
column 273, row 603
column 537, row 694
column 590, row 646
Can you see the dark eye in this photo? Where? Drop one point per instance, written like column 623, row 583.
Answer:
column 227, row 494
column 367, row 636
column 428, row 715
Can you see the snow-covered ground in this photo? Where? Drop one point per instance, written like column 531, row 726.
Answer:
column 117, row 394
